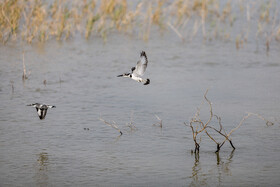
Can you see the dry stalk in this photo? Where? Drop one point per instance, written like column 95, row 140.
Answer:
column 148, row 22
column 176, row 31
column 42, row 20
column 131, row 123
column 113, row 125
column 13, row 88
column 158, row 123
column 4, row 15
column 24, row 76
column 203, row 17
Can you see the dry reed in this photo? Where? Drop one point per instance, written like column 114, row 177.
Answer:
column 24, row 75
column 40, row 20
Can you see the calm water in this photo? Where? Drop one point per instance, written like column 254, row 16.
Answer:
column 82, row 83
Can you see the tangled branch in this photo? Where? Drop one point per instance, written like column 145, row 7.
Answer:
column 198, row 126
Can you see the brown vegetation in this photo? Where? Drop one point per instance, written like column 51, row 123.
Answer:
column 40, row 20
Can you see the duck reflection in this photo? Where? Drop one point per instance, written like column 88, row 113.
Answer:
column 202, row 174
column 41, row 170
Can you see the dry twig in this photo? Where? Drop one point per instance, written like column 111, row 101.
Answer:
column 202, row 127
column 131, row 124
column 113, row 125
column 24, row 76
column 158, row 123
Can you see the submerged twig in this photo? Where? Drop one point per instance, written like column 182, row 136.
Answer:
column 24, row 76
column 113, row 125
column 158, row 123
column 131, row 124
column 13, row 88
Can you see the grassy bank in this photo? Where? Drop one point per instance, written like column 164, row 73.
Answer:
column 237, row 21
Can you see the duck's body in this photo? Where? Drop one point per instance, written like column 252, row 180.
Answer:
column 41, row 109
column 138, row 71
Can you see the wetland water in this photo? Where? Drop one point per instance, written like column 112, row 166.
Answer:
column 81, row 81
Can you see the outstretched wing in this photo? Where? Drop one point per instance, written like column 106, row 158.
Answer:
column 34, row 105
column 141, row 65
column 50, row 106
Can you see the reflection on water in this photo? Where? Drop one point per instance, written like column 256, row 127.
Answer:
column 197, row 177
column 201, row 177
column 223, row 167
column 41, row 170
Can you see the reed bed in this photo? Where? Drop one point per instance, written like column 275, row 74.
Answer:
column 42, row 20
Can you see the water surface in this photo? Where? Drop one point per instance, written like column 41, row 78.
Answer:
column 81, row 81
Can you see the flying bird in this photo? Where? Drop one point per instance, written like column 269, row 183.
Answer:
column 41, row 109
column 138, row 71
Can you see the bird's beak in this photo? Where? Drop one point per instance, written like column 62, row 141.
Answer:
column 120, row 76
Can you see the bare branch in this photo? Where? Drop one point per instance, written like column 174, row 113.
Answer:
column 200, row 126
column 268, row 123
column 113, row 125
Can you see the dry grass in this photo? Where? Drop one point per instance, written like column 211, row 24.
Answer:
column 40, row 20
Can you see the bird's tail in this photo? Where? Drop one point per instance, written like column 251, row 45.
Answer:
column 147, row 82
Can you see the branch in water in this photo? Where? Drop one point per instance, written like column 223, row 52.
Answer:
column 158, row 123
column 113, row 125
column 200, row 126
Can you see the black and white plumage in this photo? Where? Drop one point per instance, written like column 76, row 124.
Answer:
column 138, row 70
column 41, row 109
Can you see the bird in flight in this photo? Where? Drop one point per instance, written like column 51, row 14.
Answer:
column 138, row 70
column 41, row 109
